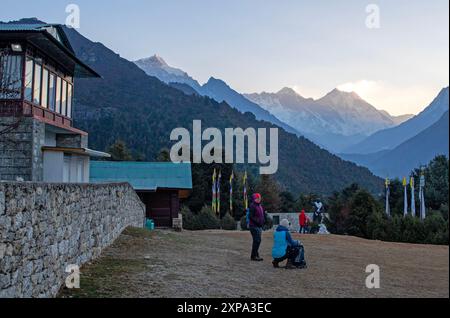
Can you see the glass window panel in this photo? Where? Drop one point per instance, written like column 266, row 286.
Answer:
column 58, row 95
column 11, row 76
column 64, row 98
column 37, row 84
column 44, row 88
column 29, row 79
column 51, row 92
column 69, row 100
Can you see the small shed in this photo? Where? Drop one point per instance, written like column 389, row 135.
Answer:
column 160, row 185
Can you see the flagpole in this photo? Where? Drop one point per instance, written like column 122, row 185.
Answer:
column 413, row 199
column 388, row 211
column 405, row 201
column 231, row 193
column 245, row 191
column 213, row 201
column 218, row 192
column 422, row 196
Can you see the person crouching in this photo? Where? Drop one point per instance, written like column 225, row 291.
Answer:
column 284, row 247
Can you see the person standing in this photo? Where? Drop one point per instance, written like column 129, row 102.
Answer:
column 257, row 220
column 302, row 222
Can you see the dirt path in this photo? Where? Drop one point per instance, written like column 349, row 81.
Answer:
column 216, row 264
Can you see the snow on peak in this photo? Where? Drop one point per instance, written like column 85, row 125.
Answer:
column 287, row 91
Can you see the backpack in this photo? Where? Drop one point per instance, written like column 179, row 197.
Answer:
column 247, row 217
column 300, row 259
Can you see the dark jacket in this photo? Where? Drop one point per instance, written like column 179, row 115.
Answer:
column 257, row 218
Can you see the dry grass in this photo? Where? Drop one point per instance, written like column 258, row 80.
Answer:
column 216, row 264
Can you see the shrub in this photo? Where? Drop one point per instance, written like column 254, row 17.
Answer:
column 313, row 227
column 190, row 220
column 228, row 223
column 208, row 219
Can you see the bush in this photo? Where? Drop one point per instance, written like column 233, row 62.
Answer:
column 190, row 220
column 205, row 220
column 228, row 223
column 208, row 219
column 313, row 227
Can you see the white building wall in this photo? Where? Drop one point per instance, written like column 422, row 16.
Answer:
column 65, row 168
column 53, row 166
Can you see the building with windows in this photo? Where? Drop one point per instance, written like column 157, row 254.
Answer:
column 38, row 141
column 160, row 185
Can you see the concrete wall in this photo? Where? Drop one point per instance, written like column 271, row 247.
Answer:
column 46, row 227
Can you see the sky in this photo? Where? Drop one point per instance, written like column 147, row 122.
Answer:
column 311, row 46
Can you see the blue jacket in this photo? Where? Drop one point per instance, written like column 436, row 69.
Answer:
column 281, row 240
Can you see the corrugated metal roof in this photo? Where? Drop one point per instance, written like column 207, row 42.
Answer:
column 143, row 175
column 22, row 27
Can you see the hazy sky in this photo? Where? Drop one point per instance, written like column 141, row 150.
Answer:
column 254, row 45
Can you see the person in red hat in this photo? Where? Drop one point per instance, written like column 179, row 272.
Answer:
column 257, row 220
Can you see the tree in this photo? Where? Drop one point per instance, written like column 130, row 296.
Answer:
column 270, row 192
column 287, row 202
column 363, row 207
column 164, row 155
column 119, row 151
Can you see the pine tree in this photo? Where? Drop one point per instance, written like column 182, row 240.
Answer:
column 270, row 192
column 119, row 151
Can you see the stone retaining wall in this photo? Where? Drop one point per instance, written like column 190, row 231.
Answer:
column 46, row 227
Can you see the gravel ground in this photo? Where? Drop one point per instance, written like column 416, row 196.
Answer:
column 216, row 264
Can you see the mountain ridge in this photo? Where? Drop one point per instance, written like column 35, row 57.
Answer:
column 392, row 137
column 128, row 104
column 412, row 153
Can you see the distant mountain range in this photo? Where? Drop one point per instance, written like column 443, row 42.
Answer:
column 416, row 151
column 390, row 138
column 396, row 151
column 214, row 88
column 141, row 110
column 334, row 122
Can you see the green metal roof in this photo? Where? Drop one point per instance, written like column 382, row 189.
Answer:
column 22, row 27
column 148, row 176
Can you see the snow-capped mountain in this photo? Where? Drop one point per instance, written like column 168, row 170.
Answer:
column 157, row 67
column 335, row 122
column 214, row 88
column 338, row 112
column 221, row 91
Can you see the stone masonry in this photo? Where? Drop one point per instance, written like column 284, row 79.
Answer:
column 46, row 227
column 20, row 149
